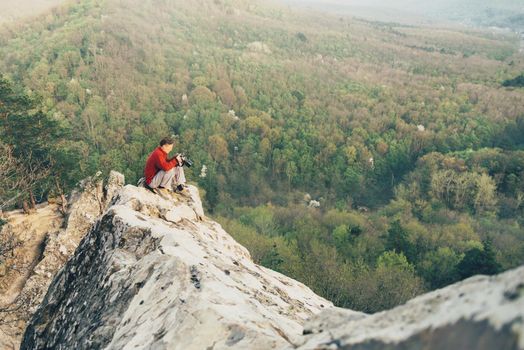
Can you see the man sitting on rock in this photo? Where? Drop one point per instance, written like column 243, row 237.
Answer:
column 162, row 172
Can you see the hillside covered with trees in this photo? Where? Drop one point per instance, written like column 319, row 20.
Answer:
column 405, row 135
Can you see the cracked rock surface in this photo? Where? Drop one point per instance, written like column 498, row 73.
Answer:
column 155, row 273
column 58, row 238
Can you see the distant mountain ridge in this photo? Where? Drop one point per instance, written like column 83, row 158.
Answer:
column 504, row 13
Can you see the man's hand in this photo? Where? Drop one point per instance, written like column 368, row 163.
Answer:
column 179, row 159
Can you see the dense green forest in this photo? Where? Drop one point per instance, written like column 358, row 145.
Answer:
column 372, row 161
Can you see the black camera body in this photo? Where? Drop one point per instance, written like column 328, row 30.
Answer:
column 186, row 161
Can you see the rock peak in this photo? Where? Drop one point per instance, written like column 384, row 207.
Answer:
column 154, row 272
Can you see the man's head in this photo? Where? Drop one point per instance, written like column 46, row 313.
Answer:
column 167, row 144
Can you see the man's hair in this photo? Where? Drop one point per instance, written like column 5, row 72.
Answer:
column 166, row 141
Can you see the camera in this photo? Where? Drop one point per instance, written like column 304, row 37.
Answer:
column 186, row 161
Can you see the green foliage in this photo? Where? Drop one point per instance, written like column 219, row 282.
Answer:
column 479, row 261
column 261, row 218
column 210, row 186
column 515, row 82
column 37, row 144
column 390, row 259
column 344, row 255
column 439, row 267
column 402, row 129
column 341, row 235
column 396, row 281
column 119, row 89
column 272, row 259
column 398, row 240
column 325, row 254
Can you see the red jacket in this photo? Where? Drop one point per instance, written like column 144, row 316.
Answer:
column 157, row 161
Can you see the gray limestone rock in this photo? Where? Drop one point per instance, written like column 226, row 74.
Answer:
column 482, row 312
column 87, row 202
column 151, row 274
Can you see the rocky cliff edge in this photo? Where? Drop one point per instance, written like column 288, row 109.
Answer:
column 154, row 273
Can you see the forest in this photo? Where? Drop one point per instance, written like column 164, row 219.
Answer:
column 372, row 161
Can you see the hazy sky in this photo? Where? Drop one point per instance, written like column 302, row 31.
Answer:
column 465, row 11
column 14, row 9
column 423, row 3
column 409, row 10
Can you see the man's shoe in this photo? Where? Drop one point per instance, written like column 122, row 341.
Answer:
column 183, row 190
column 149, row 188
